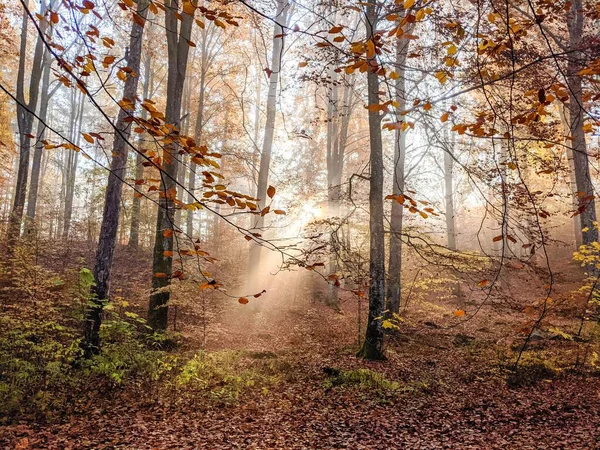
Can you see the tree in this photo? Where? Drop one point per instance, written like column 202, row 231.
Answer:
column 178, row 38
column 372, row 347
column 134, row 231
column 25, row 115
column 394, row 290
column 114, row 188
column 585, row 188
column 280, row 21
column 45, row 96
column 208, row 40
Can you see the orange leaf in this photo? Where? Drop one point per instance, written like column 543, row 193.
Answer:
column 459, row 313
column 243, row 300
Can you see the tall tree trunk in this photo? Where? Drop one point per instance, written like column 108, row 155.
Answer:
column 585, row 188
column 72, row 163
column 394, row 290
column 577, row 235
column 185, row 126
column 373, row 345
column 136, row 206
column 178, row 36
column 449, row 195
column 39, row 146
column 281, row 18
column 114, row 188
column 197, row 137
column 449, row 204
column 339, row 112
column 25, row 116
column 334, row 178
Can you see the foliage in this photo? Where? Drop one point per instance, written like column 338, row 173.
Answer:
column 224, row 376
column 362, row 379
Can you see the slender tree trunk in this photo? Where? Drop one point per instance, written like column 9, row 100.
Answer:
column 373, row 345
column 136, row 206
column 39, row 146
column 73, row 160
column 334, row 177
column 197, row 137
column 25, row 116
column 577, row 235
column 178, row 36
column 585, row 188
column 449, row 196
column 114, row 189
column 449, row 204
column 281, row 18
column 394, row 290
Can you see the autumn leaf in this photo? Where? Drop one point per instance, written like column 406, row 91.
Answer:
column 243, row 300
column 271, row 192
column 459, row 313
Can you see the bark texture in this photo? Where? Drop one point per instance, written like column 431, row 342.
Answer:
column 25, row 115
column 394, row 289
column 265, row 158
column 114, row 189
column 585, row 188
column 178, row 34
column 373, row 345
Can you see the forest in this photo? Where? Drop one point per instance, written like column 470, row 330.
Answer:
column 299, row 224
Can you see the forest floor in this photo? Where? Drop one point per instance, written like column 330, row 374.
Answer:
column 444, row 385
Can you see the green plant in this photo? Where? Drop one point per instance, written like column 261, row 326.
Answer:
column 362, row 379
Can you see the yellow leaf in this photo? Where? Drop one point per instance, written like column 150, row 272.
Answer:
column 408, row 4
column 88, row 138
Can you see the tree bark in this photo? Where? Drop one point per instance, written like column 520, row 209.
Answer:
column 72, row 162
column 114, row 189
column 394, row 290
column 281, row 18
column 45, row 96
column 373, row 345
column 136, row 206
column 178, row 52
column 25, row 116
column 585, row 188
column 449, row 196
column 577, row 235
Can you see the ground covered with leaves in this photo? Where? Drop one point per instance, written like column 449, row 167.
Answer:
column 284, row 376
